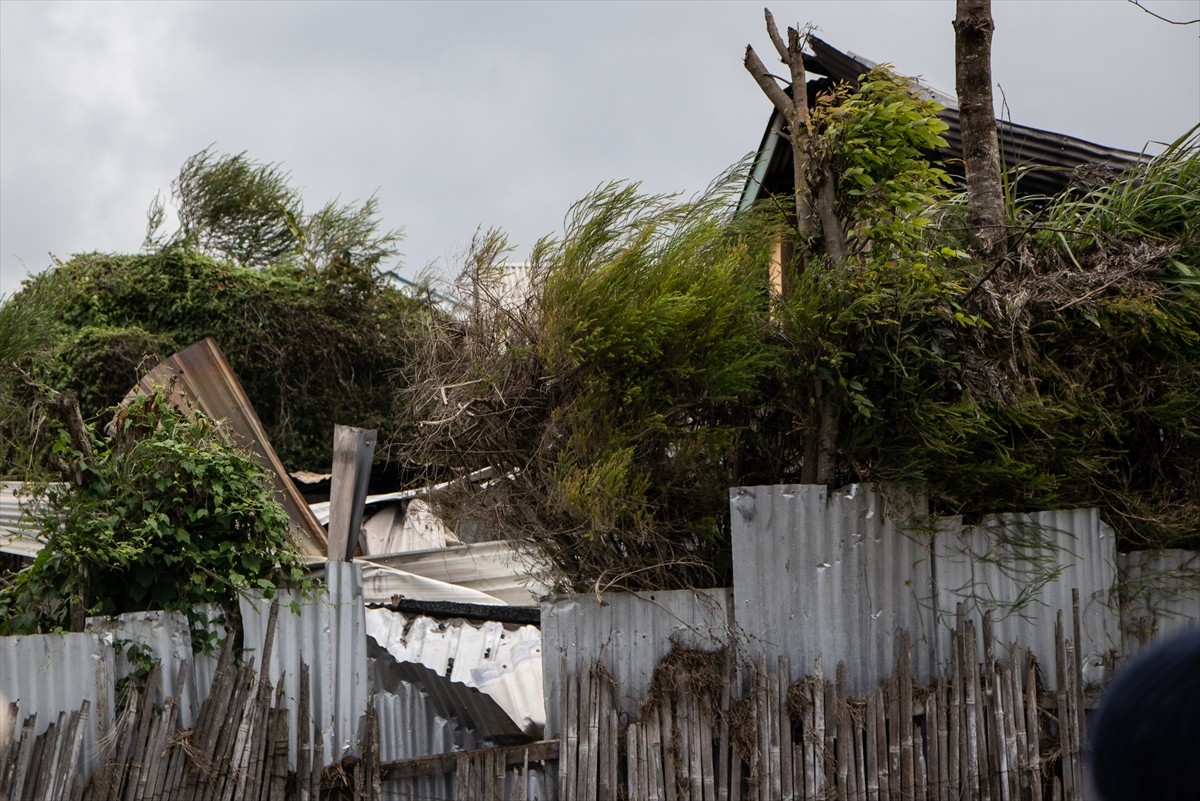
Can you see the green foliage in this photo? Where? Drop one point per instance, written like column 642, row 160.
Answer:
column 877, row 139
column 612, row 396
column 649, row 371
column 167, row 516
column 236, row 209
column 311, row 348
column 1160, row 203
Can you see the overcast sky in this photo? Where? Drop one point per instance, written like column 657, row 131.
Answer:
column 461, row 115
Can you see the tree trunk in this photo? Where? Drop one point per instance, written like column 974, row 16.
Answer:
column 812, row 215
column 973, row 28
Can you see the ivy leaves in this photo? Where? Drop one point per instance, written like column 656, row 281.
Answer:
column 167, row 516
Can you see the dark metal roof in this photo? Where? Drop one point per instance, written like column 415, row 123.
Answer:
column 1043, row 162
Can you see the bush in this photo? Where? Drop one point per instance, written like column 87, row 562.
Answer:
column 311, row 348
column 165, row 515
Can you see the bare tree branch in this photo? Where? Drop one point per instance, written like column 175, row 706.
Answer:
column 776, row 39
column 774, row 93
column 1138, row 3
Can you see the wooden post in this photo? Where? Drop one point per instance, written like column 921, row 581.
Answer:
column 353, row 449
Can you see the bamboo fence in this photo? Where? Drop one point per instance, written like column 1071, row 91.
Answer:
column 984, row 729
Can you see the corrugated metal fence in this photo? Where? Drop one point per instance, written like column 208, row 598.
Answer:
column 834, row 575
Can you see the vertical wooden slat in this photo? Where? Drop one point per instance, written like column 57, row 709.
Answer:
column 1065, row 714
column 987, row 700
column 158, row 780
column 760, row 769
column 73, row 778
column 723, row 746
column 569, row 769
column 564, row 697
column 904, row 683
column 49, row 754
column 586, row 789
column 669, row 747
column 523, row 792
column 632, row 757
column 895, row 736
column 787, row 766
column 1033, row 729
column 936, row 721
column 604, row 791
column 809, row 740
column 1001, row 739
column 955, row 714
column 771, row 688
column 462, row 770
column 658, row 746
column 614, row 740
column 842, row 722
column 871, row 754
column 1009, row 733
column 1020, row 750
column 500, row 776
column 143, row 733
column 304, row 788
column 817, row 754
column 1080, row 722
column 705, row 742
column 829, row 753
column 984, row 775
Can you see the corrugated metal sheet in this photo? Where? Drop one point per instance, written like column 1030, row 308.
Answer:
column 409, row 727
column 629, row 633
column 1022, row 568
column 329, row 635
column 168, row 637
column 503, row 662
column 494, row 568
column 54, row 673
column 1160, row 594
column 1044, row 160
column 382, row 583
column 16, row 537
column 201, row 378
column 831, row 575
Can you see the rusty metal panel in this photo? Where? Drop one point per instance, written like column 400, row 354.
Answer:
column 1160, row 594
column 629, row 633
column 1023, row 568
column 49, row 674
column 201, row 378
column 503, row 662
column 827, row 576
column 329, row 635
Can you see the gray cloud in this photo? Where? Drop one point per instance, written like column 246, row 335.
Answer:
column 462, row 115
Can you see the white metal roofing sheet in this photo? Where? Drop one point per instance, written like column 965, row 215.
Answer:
column 494, row 568
column 504, row 662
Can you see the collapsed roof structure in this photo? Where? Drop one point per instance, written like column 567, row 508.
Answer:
column 1040, row 162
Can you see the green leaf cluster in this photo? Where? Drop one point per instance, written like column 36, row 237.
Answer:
column 166, row 515
column 650, row 370
column 613, row 396
column 309, row 348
